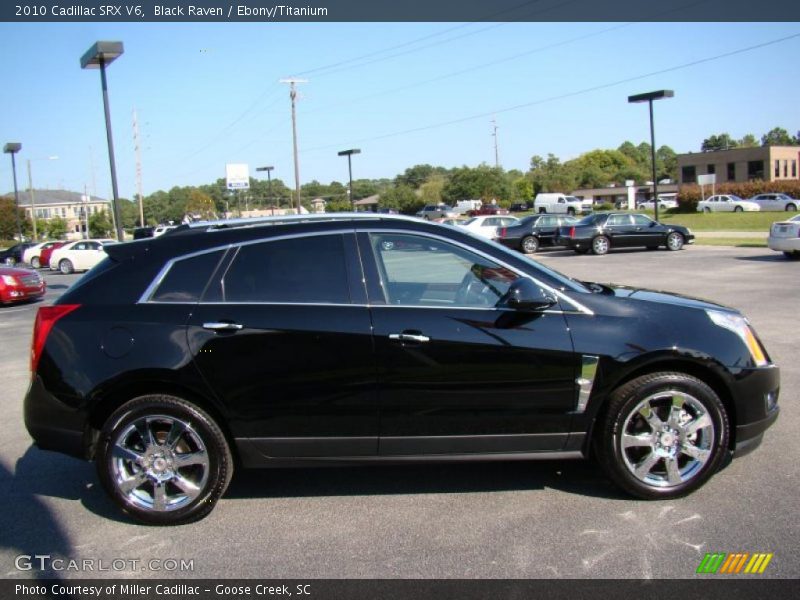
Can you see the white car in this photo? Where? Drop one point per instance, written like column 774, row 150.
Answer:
column 663, row 204
column 727, row 203
column 784, row 236
column 486, row 225
column 78, row 256
column 33, row 252
column 775, row 202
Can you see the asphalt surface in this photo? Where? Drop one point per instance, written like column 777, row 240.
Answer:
column 511, row 520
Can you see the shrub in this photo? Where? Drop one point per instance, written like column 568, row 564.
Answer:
column 690, row 195
column 603, row 206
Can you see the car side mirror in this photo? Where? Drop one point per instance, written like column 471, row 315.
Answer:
column 525, row 295
column 653, row 223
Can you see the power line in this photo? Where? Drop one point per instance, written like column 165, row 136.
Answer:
column 566, row 95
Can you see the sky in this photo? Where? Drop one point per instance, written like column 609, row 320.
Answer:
column 404, row 93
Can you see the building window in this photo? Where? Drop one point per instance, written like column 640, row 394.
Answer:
column 785, row 168
column 63, row 212
column 755, row 169
column 689, row 174
column 777, row 168
column 731, row 171
column 711, row 169
column 794, row 168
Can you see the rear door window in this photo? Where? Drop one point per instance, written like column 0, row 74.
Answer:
column 187, row 278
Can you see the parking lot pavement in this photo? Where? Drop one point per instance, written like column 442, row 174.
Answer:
column 518, row 520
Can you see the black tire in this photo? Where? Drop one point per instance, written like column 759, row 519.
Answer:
column 530, row 244
column 65, row 266
column 792, row 255
column 706, row 210
column 601, row 245
column 571, row 212
column 581, row 250
column 791, row 207
column 35, row 262
column 10, row 261
column 737, row 209
column 675, row 241
column 622, row 416
column 200, row 436
column 542, row 211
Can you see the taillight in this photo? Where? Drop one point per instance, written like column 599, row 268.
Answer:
column 45, row 319
column 572, row 232
column 503, row 232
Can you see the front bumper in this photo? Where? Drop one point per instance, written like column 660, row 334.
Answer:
column 756, row 403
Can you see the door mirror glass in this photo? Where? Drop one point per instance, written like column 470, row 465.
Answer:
column 524, row 294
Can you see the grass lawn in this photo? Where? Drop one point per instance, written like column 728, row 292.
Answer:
column 756, row 221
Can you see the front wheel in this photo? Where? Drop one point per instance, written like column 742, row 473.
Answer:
column 163, row 460
column 600, row 245
column 66, row 266
column 662, row 435
column 706, row 210
column 738, row 209
column 35, row 262
column 530, row 244
column 674, row 241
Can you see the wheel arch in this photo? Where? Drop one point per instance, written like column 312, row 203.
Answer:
column 704, row 371
column 114, row 397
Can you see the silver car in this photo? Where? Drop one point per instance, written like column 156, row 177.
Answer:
column 775, row 202
column 437, row 211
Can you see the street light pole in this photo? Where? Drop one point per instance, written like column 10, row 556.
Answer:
column 100, row 54
column 649, row 97
column 12, row 148
column 349, row 154
column 269, row 184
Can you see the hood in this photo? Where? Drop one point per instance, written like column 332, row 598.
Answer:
column 645, row 295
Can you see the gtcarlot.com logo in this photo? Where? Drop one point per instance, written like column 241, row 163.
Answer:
column 720, row 563
column 46, row 562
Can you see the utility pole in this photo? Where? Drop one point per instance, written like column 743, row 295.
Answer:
column 137, row 147
column 293, row 81
column 494, row 135
column 86, row 198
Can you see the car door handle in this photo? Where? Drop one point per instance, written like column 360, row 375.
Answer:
column 221, row 326
column 409, row 337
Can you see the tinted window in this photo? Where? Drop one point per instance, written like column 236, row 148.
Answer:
column 641, row 220
column 590, row 220
column 187, row 278
column 300, row 270
column 619, row 220
column 419, row 271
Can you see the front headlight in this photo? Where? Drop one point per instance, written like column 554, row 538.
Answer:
column 9, row 280
column 739, row 325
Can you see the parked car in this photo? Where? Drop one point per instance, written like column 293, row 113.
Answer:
column 20, row 285
column 79, row 256
column 663, row 204
column 388, row 211
column 44, row 255
column 450, row 221
column 533, row 232
column 775, row 202
column 143, row 232
column 519, row 207
column 602, row 232
column 561, row 204
column 726, row 203
column 436, row 211
column 13, row 255
column 32, row 255
column 487, row 225
column 417, row 341
column 488, row 210
column 784, row 236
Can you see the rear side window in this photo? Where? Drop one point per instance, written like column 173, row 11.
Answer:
column 298, row 271
column 187, row 278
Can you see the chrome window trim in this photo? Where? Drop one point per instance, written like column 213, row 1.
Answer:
column 585, row 382
column 579, row 308
column 150, row 290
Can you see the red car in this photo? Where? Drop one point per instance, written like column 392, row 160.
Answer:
column 18, row 285
column 488, row 209
column 44, row 255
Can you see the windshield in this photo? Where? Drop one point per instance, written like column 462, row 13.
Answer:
column 468, row 221
column 735, row 198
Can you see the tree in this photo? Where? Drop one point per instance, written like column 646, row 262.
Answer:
column 415, row 176
column 778, row 136
column 402, row 198
column 8, row 223
column 56, row 228
column 523, row 189
column 200, row 203
column 484, row 182
column 748, row 141
column 721, row 141
column 431, row 190
column 100, row 225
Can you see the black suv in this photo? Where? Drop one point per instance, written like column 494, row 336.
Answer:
column 321, row 339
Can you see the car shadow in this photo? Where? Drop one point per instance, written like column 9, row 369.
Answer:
column 773, row 257
column 573, row 477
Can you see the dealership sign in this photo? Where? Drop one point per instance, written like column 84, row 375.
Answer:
column 237, row 177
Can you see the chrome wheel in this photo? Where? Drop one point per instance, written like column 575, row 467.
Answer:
column 667, row 439
column 530, row 245
column 674, row 241
column 600, row 245
column 159, row 463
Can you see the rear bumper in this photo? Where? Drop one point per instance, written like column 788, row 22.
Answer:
column 786, row 244
column 52, row 424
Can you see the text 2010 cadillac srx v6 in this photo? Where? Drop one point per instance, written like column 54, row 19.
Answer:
column 342, row 339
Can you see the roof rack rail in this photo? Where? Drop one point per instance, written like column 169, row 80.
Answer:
column 253, row 221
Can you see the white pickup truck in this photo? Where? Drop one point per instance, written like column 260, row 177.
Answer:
column 561, row 204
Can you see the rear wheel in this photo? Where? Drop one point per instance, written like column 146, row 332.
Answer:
column 663, row 435
column 530, row 244
column 163, row 460
column 35, row 262
column 571, row 212
column 738, row 209
column 600, row 245
column 674, row 241
column 791, row 207
column 66, row 266
column 542, row 211
column 10, row 261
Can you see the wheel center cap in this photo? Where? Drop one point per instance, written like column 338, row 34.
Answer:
column 159, row 464
column 667, row 439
